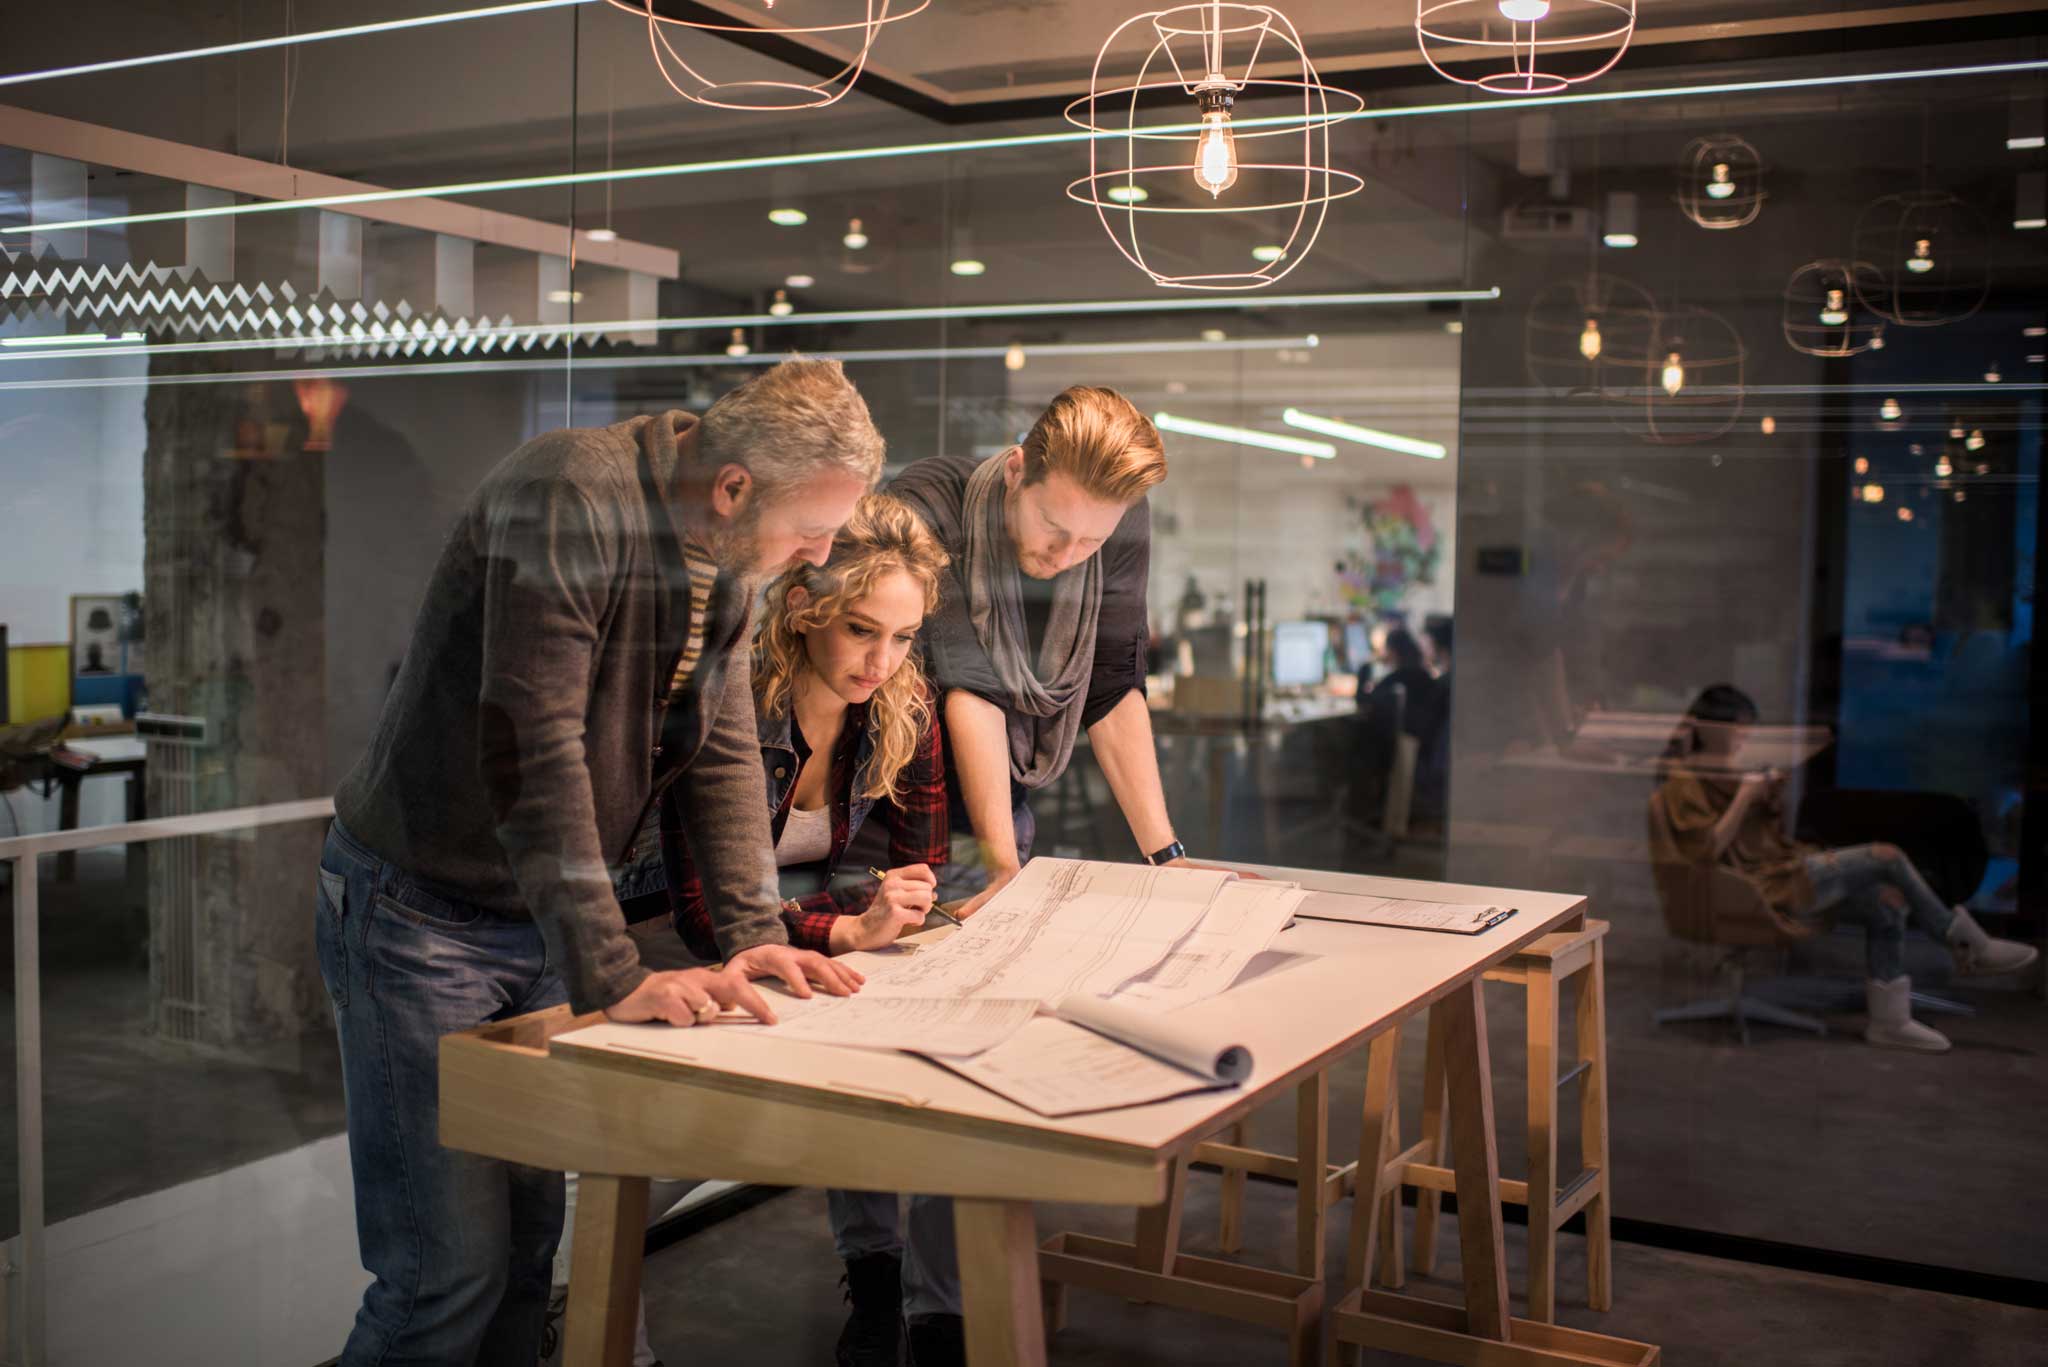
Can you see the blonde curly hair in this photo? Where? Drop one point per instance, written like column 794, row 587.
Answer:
column 882, row 536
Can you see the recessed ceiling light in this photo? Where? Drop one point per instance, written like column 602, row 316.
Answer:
column 788, row 218
column 967, row 265
column 799, row 282
column 1620, row 240
column 602, row 234
column 1268, row 252
column 1128, row 194
column 2034, row 332
column 1212, row 334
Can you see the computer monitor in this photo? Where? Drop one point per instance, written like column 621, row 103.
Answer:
column 1298, row 651
column 1357, row 647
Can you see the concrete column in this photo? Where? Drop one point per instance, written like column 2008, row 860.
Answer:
column 235, row 605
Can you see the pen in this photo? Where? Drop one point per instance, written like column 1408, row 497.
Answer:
column 937, row 911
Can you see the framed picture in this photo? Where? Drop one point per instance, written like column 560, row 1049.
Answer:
column 95, row 635
column 106, row 648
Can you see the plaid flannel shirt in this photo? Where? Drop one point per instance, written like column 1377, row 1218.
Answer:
column 918, row 834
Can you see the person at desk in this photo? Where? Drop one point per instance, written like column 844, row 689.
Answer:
column 1040, row 633
column 1407, row 676
column 1719, row 814
column 849, row 729
column 569, row 664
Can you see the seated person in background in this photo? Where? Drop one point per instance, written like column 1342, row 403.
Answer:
column 1395, row 650
column 1720, row 814
column 848, row 726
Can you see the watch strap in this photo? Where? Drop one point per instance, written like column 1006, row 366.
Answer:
column 1166, row 856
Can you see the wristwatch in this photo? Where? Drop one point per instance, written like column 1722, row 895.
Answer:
column 1166, row 856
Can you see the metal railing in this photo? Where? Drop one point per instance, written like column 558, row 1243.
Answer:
column 25, row 1332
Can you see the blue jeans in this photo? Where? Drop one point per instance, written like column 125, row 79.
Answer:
column 461, row 1246
column 866, row 1222
column 1877, row 887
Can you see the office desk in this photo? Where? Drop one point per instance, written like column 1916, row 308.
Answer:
column 750, row 1107
column 72, row 762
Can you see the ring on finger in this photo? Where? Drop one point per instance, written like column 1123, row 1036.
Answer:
column 706, row 1010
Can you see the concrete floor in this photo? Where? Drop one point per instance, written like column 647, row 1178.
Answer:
column 763, row 1288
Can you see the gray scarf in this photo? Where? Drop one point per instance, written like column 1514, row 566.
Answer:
column 1045, row 702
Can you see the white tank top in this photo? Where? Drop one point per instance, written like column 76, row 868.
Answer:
column 806, row 837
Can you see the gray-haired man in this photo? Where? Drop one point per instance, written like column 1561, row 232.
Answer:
column 581, row 647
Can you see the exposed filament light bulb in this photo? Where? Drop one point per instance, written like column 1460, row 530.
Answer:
column 1922, row 259
column 1525, row 11
column 1215, row 148
column 1674, row 374
column 1589, row 340
column 1722, row 184
column 1836, row 311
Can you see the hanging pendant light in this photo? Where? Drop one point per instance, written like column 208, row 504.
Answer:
column 1550, row 45
column 1673, row 378
column 857, row 33
column 1822, row 313
column 738, row 345
column 1589, row 340
column 1931, row 254
column 1890, row 411
column 1720, row 182
column 1204, row 65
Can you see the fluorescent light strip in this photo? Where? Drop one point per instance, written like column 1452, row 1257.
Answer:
column 556, row 364
column 951, row 313
column 1365, row 436
column 848, row 154
column 289, row 40
column 1244, row 436
column 73, row 340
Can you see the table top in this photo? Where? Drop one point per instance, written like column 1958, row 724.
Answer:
column 1322, row 990
column 101, row 750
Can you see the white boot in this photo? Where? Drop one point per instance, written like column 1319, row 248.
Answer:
column 1891, row 1024
column 1979, row 955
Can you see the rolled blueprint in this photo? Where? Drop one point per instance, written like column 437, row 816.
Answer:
column 1177, row 1041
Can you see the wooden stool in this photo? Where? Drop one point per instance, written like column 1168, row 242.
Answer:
column 1542, row 969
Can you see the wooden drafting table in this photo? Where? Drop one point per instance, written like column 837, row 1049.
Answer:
column 749, row 1107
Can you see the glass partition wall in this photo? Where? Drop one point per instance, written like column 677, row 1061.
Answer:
column 1585, row 448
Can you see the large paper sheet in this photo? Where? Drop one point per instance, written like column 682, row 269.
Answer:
column 1058, row 1069
column 1454, row 917
column 1063, row 926
column 1239, row 924
column 1175, row 1039
column 940, row 1026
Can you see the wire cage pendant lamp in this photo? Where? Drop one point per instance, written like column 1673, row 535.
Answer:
column 1929, row 250
column 1721, row 182
column 1526, row 47
column 863, row 24
column 1824, row 313
column 1180, row 147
